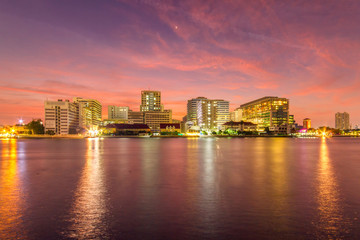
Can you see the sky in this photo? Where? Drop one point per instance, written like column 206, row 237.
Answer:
column 307, row 51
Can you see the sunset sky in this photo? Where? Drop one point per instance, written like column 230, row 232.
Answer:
column 307, row 51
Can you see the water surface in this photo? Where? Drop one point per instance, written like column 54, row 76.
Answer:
column 208, row 188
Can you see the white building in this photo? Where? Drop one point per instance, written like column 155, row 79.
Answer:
column 94, row 106
column 342, row 121
column 61, row 117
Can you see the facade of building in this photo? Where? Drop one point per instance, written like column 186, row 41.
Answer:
column 208, row 114
column 154, row 118
column 151, row 101
column 127, row 129
column 135, row 117
column 117, row 112
column 267, row 112
column 95, row 108
column 307, row 123
column 61, row 117
column 342, row 121
column 236, row 115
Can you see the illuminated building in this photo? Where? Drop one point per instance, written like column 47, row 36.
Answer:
column 236, row 115
column 170, row 127
column 95, row 108
column 151, row 101
column 85, row 115
column 116, row 112
column 342, row 121
column 307, row 123
column 291, row 120
column 239, row 126
column 208, row 114
column 61, row 117
column 127, row 129
column 154, row 118
column 267, row 112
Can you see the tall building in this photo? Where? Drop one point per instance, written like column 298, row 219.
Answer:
column 342, row 121
column 208, row 114
column 61, row 117
column 192, row 109
column 151, row 101
column 94, row 106
column 116, row 112
column 267, row 112
column 307, row 123
column 85, row 115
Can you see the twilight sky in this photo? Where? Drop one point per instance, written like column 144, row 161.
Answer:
column 308, row 51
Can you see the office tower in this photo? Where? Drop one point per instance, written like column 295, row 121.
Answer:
column 342, row 121
column 307, row 123
column 267, row 112
column 151, row 101
column 208, row 114
column 85, row 115
column 116, row 112
column 61, row 117
column 95, row 108
column 192, row 109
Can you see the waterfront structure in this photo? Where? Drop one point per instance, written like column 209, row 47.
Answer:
column 208, row 114
column 154, row 118
column 117, row 112
column 127, row 129
column 267, row 112
column 105, row 122
column 61, row 117
column 151, row 101
column 307, row 123
column 95, row 108
column 342, row 121
column 239, row 126
column 170, row 127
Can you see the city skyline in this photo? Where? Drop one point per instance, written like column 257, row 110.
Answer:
column 239, row 52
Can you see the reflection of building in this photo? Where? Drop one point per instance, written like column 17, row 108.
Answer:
column 151, row 101
column 342, row 121
column 61, row 117
column 307, row 123
column 95, row 108
column 240, row 126
column 208, row 113
column 267, row 111
column 154, row 118
column 116, row 112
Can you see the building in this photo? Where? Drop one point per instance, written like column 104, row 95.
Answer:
column 267, row 112
column 239, row 126
column 170, row 127
column 61, row 117
column 85, row 115
column 236, row 115
column 208, row 114
column 135, row 117
column 307, row 123
column 342, row 121
column 95, row 108
column 116, row 112
column 154, row 118
column 127, row 129
column 151, row 101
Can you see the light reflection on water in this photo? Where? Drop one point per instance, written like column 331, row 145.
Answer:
column 89, row 209
column 331, row 221
column 11, row 204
